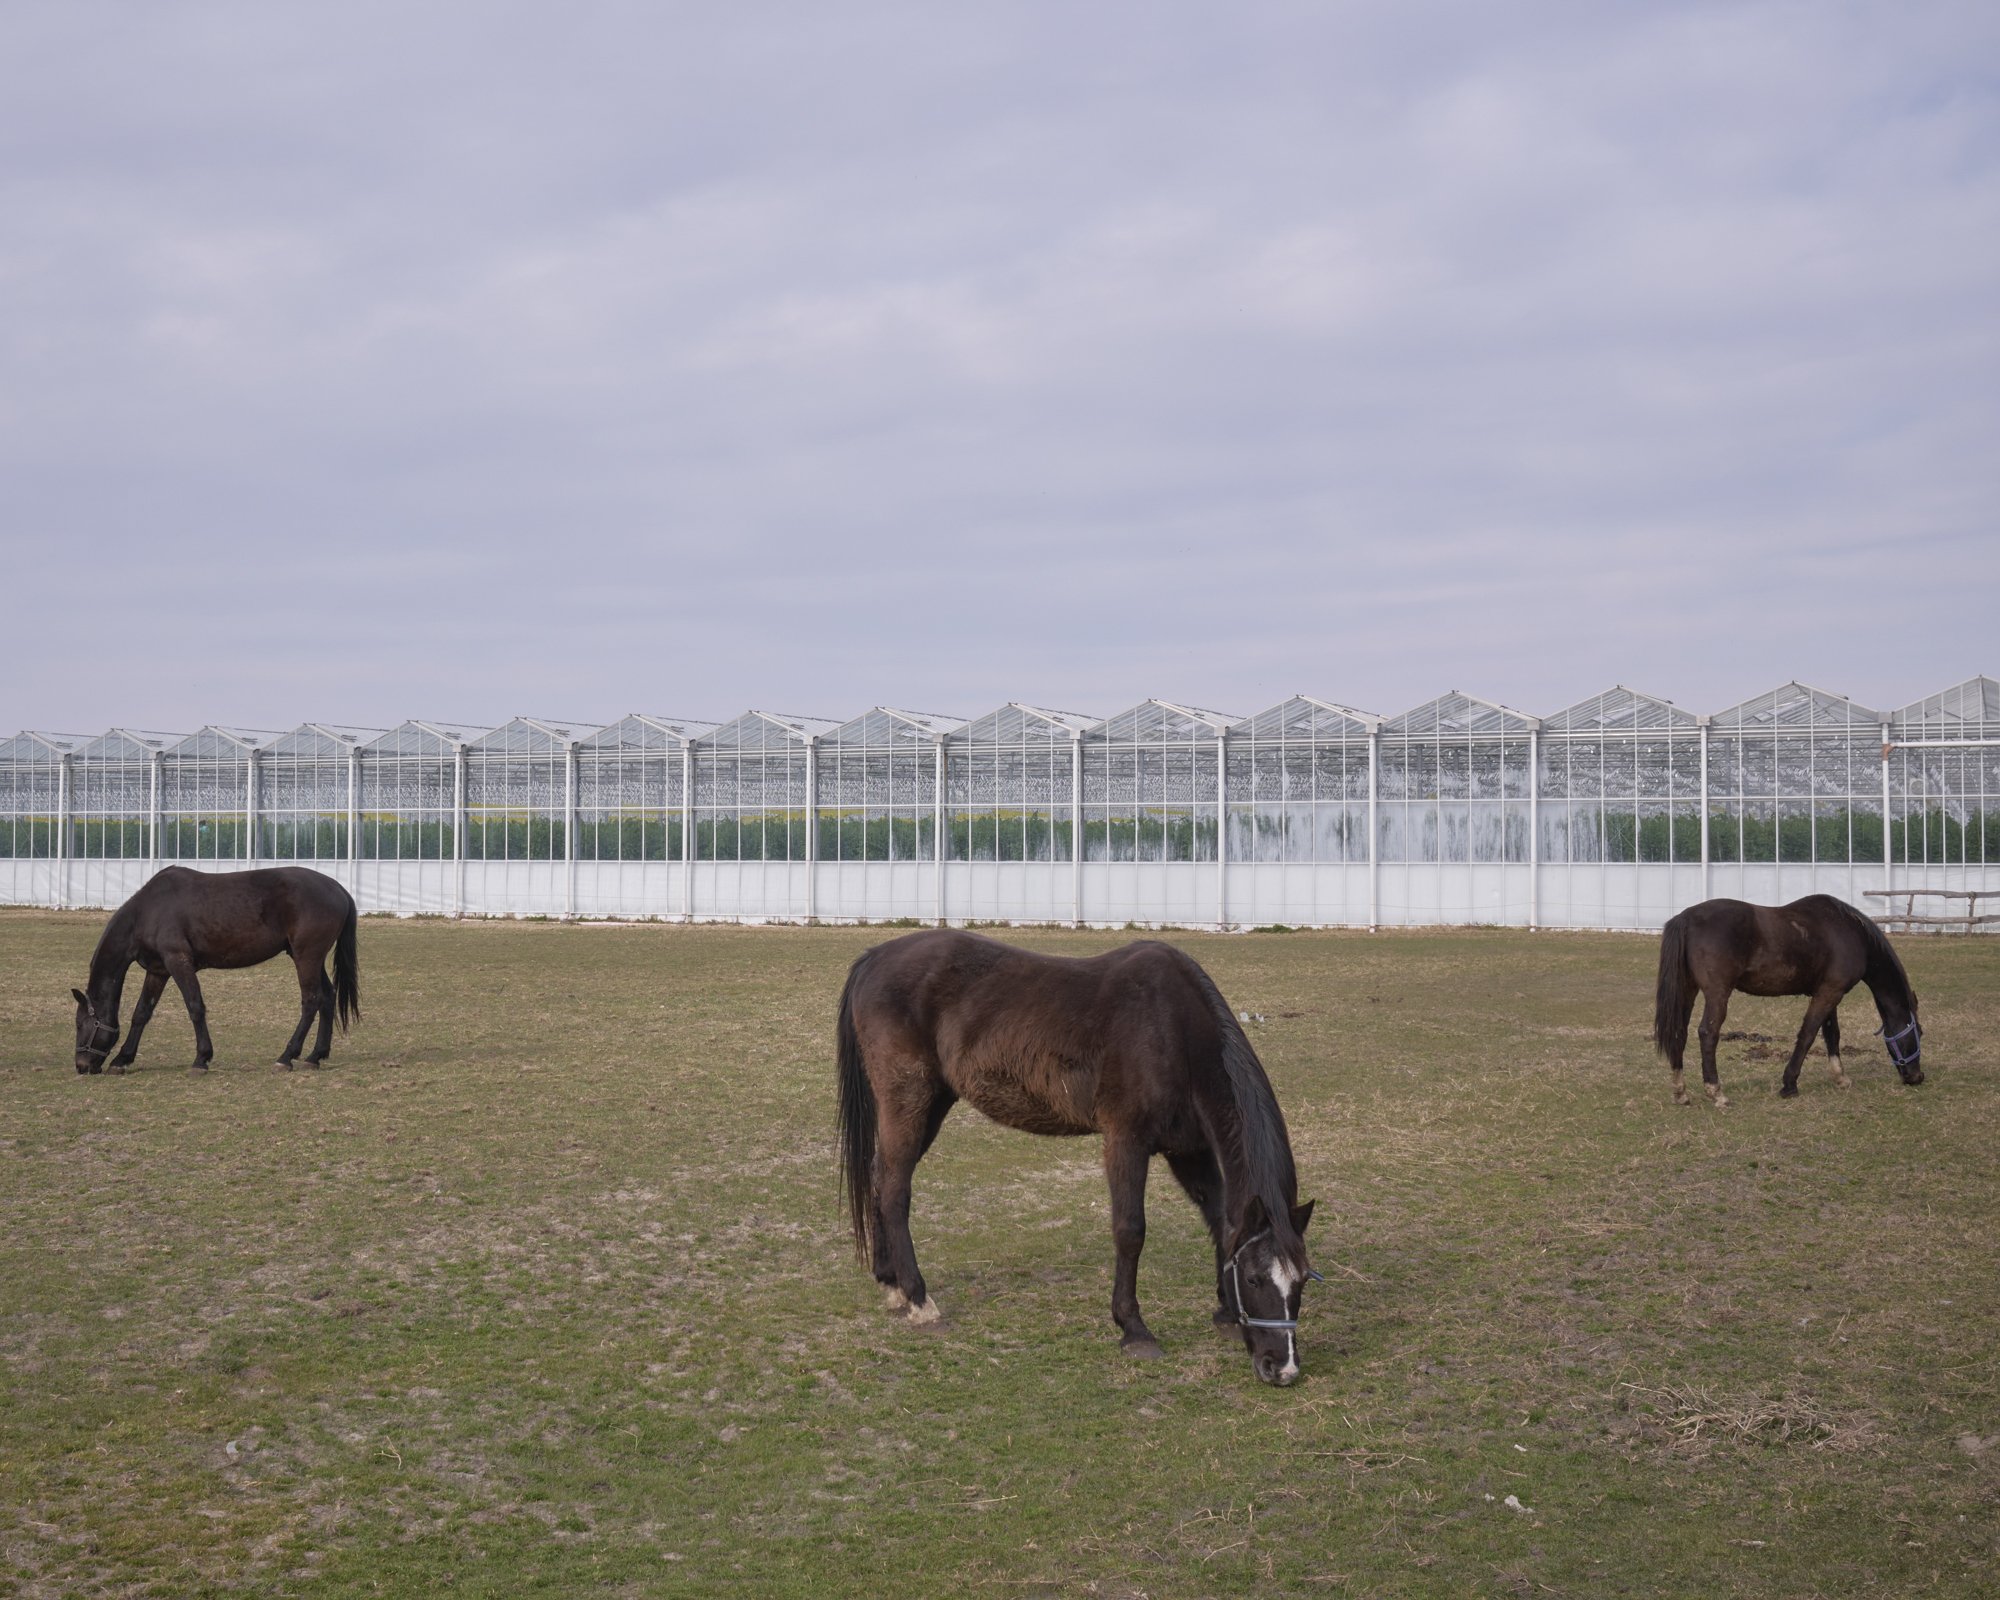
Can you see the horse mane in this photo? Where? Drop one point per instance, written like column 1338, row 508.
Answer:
column 1265, row 1146
column 1881, row 954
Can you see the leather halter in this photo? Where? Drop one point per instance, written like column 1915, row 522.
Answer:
column 94, row 1048
column 1243, row 1318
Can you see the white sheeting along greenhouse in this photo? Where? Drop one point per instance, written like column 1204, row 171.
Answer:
column 1613, row 813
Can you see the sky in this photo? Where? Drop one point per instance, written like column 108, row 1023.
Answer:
column 368, row 361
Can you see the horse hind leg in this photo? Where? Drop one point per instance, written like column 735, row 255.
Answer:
column 1831, row 1033
column 1714, row 1010
column 323, row 1041
column 312, row 976
column 903, row 1133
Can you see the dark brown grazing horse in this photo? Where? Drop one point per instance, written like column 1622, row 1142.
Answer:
column 1818, row 946
column 1137, row 1045
column 181, row 921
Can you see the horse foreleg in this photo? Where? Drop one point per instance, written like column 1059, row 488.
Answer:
column 1125, row 1162
column 180, row 967
column 1200, row 1175
column 142, row 1013
column 1831, row 1033
column 1714, row 1009
column 1819, row 1011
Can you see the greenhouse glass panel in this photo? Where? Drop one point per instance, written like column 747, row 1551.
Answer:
column 307, row 790
column 1628, row 759
column 1449, row 763
column 1150, row 777
column 878, row 786
column 517, row 792
column 31, row 792
column 1789, row 778
column 751, row 801
column 1944, row 774
column 205, row 794
column 114, row 792
column 1008, row 785
column 410, row 792
column 630, row 788
column 1297, row 780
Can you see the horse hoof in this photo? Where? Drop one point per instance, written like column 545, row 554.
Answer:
column 1142, row 1349
column 1788, row 1091
column 117, row 1068
column 893, row 1299
column 199, row 1066
column 925, row 1312
column 1683, row 1100
column 287, row 1065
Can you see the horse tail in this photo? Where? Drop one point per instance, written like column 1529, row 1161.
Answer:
column 1675, row 1000
column 347, row 969
column 857, row 1120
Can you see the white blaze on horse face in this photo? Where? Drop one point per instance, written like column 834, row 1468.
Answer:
column 1283, row 1275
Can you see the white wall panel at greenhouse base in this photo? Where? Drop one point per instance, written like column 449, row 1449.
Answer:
column 1583, row 895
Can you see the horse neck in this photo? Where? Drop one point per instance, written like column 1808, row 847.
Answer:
column 1888, row 982
column 109, row 963
column 1223, row 1119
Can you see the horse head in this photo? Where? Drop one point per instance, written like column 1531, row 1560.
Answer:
column 1268, row 1276
column 1903, row 1037
column 94, row 1035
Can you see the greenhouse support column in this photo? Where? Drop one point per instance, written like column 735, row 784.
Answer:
column 569, row 829
column 59, row 878
column 1076, row 827
column 1703, row 725
column 153, row 805
column 1374, row 829
column 812, row 825
column 250, row 806
column 1221, row 831
column 354, row 819
column 687, row 832
column 1888, row 869
column 458, row 759
column 1534, row 828
column 937, row 832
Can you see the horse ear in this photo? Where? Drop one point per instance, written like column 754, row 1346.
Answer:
column 1255, row 1220
column 82, row 999
column 1301, row 1215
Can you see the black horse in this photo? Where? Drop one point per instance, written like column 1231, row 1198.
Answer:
column 181, row 921
column 1137, row 1045
column 1818, row 946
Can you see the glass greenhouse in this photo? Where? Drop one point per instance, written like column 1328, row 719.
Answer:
column 1613, row 813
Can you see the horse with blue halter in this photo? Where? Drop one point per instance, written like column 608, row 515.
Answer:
column 1137, row 1045
column 182, row 921
column 1819, row 947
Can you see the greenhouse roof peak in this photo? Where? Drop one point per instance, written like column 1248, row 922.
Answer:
column 1795, row 705
column 1161, row 721
column 1622, row 710
column 1970, row 709
column 1456, row 712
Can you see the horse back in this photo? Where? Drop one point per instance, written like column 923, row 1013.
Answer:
column 237, row 919
column 1046, row 1044
column 1774, row 950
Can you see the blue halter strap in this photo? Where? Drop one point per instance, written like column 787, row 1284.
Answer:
column 1894, row 1042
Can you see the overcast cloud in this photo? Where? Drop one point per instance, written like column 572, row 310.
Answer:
column 462, row 360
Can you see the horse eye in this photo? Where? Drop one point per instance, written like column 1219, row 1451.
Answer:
column 1258, row 1279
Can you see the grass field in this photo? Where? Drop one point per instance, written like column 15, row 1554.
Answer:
column 543, row 1287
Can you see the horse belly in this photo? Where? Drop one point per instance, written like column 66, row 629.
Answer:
column 1058, row 1103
